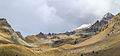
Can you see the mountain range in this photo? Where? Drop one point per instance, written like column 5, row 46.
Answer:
column 99, row 39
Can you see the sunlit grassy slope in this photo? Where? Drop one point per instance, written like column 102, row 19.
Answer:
column 14, row 50
column 4, row 38
column 32, row 39
column 107, row 47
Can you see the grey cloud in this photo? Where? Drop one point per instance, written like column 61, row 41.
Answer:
column 34, row 16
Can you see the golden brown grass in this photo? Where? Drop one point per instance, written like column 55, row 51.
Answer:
column 32, row 38
column 13, row 50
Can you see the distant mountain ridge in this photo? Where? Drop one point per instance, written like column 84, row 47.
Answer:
column 86, row 30
column 98, row 39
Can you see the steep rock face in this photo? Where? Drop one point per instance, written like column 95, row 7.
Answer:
column 19, row 35
column 11, row 35
column 5, row 27
column 107, row 17
column 97, row 27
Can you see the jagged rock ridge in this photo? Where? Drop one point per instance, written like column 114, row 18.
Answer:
column 97, row 27
column 12, row 35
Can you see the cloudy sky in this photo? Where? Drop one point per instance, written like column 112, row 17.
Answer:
column 34, row 16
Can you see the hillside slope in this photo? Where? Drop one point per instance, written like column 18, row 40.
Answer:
column 15, row 50
column 113, row 28
column 11, row 42
column 8, row 35
column 106, row 43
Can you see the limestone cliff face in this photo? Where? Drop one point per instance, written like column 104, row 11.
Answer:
column 11, row 35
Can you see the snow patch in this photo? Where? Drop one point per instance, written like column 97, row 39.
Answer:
column 84, row 26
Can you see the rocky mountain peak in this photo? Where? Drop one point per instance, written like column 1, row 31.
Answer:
column 2, row 19
column 4, row 22
column 97, row 27
column 107, row 16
